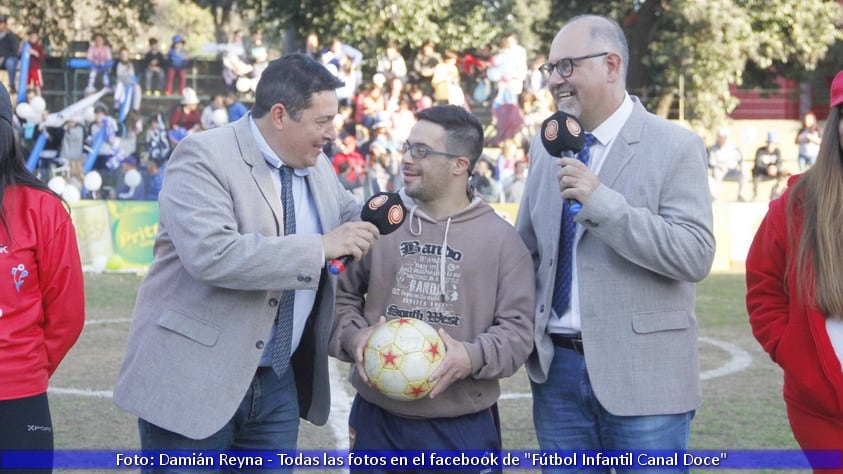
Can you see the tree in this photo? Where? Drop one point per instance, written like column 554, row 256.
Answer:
column 62, row 21
column 711, row 44
column 451, row 24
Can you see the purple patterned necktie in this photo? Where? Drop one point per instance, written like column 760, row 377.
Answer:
column 284, row 317
column 562, row 285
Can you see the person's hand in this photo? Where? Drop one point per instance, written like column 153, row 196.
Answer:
column 455, row 366
column 359, row 343
column 576, row 180
column 351, row 238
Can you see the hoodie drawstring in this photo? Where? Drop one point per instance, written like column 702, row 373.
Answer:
column 443, row 254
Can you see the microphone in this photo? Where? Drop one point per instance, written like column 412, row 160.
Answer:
column 385, row 211
column 562, row 137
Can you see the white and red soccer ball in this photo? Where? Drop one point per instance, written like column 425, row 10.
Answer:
column 400, row 356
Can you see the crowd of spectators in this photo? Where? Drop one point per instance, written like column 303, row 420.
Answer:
column 113, row 138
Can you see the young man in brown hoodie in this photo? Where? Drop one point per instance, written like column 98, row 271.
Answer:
column 460, row 267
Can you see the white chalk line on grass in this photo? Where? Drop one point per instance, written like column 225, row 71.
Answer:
column 739, row 360
column 92, row 322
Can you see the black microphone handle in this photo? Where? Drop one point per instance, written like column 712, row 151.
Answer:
column 574, row 206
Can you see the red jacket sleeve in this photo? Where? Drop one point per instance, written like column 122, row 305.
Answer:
column 63, row 290
column 767, row 296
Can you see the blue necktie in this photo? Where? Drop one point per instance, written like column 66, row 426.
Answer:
column 564, row 261
column 284, row 317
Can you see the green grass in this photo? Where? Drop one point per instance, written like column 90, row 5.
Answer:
column 742, row 410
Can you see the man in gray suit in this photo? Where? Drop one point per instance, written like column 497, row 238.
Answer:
column 615, row 365
column 201, row 370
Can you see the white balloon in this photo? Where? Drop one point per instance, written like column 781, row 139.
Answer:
column 243, row 84
column 57, row 184
column 219, row 117
column 24, row 110
column 93, row 181
column 71, row 194
column 132, row 178
column 38, row 104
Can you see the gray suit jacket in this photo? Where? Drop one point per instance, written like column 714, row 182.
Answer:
column 211, row 294
column 648, row 238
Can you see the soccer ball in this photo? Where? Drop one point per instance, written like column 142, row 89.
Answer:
column 400, row 356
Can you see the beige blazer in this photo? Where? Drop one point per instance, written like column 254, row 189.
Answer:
column 209, row 299
column 648, row 238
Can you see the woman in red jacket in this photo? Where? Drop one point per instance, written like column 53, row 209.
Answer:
column 794, row 277
column 42, row 302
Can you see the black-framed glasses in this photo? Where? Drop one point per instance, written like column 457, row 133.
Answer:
column 419, row 151
column 565, row 66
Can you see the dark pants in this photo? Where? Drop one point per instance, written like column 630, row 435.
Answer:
column 375, row 429
column 25, row 424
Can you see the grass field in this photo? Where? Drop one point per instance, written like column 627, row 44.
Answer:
column 742, row 405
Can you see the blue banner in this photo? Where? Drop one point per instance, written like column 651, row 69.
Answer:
column 433, row 460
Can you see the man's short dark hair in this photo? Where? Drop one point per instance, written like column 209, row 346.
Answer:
column 463, row 132
column 292, row 80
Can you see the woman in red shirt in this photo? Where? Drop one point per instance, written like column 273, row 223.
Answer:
column 42, row 301
column 794, row 277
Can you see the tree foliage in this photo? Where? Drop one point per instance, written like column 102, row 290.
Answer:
column 702, row 46
column 709, row 45
column 61, row 21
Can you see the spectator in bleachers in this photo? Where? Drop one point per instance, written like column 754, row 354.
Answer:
column 9, row 46
column 381, row 169
column 130, row 130
column 726, row 163
column 768, row 162
column 511, row 152
column 154, row 178
column 808, row 138
column 72, row 147
column 419, row 100
column 484, row 181
column 312, row 47
column 126, row 80
column 236, row 109
column 156, row 140
column 370, row 102
column 153, row 64
column 254, row 44
column 349, row 154
column 34, row 79
column 424, row 65
column 514, row 185
column 178, row 61
column 108, row 147
column 235, row 61
column 186, row 117
column 130, row 180
column 99, row 54
column 391, row 64
column 351, row 180
column 215, row 113
column 447, row 88
column 402, row 120
column 511, row 64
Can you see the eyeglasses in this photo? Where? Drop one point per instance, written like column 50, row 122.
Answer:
column 565, row 66
column 419, row 151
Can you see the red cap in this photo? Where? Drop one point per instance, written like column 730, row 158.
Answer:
column 836, row 90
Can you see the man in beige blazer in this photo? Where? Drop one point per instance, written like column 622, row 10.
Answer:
column 199, row 361
column 615, row 366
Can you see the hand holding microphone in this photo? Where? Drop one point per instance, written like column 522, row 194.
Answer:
column 563, row 137
column 385, row 211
